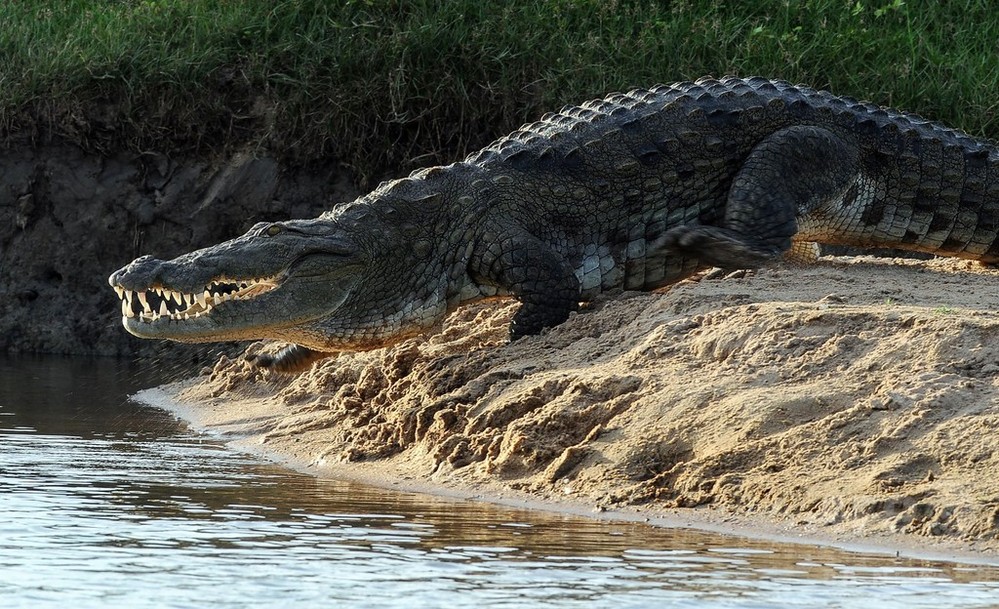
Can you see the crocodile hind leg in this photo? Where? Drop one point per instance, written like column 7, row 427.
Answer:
column 788, row 174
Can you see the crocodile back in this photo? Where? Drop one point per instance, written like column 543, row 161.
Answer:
column 601, row 180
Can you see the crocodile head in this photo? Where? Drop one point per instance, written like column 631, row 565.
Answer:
column 291, row 281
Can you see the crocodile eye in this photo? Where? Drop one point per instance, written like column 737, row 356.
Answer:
column 274, row 229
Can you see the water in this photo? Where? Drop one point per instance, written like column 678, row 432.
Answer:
column 108, row 503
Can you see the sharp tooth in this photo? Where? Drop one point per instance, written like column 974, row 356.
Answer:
column 120, row 291
column 188, row 299
column 142, row 300
column 126, row 310
column 226, row 297
column 164, row 311
column 186, row 316
column 202, row 298
column 159, row 291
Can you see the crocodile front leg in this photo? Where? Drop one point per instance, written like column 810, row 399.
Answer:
column 540, row 278
column 789, row 173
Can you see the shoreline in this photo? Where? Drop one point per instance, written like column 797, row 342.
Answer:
column 727, row 524
column 853, row 403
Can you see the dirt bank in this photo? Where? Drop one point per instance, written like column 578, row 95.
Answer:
column 853, row 399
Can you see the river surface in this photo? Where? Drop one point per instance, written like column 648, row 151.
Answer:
column 105, row 502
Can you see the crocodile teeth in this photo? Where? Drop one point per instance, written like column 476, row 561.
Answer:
column 157, row 303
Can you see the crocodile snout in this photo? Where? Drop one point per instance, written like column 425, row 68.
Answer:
column 141, row 271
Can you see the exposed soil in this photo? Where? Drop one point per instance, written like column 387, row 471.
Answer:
column 856, row 398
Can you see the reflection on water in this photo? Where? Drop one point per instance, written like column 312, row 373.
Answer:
column 107, row 503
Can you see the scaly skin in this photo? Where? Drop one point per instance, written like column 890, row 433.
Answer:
column 635, row 191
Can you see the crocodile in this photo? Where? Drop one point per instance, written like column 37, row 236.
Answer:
column 631, row 192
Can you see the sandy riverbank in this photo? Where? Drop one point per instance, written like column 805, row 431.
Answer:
column 854, row 401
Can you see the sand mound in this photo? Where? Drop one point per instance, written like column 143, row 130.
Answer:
column 857, row 396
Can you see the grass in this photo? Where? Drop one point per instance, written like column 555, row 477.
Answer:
column 389, row 85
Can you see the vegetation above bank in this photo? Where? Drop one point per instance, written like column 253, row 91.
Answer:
column 389, row 84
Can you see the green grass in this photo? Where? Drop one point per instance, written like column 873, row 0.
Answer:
column 384, row 85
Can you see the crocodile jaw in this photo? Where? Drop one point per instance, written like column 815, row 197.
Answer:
column 279, row 281
column 226, row 309
column 159, row 310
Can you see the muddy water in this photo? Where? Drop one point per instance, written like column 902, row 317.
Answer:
column 108, row 503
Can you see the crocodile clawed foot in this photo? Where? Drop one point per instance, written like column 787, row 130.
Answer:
column 715, row 246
